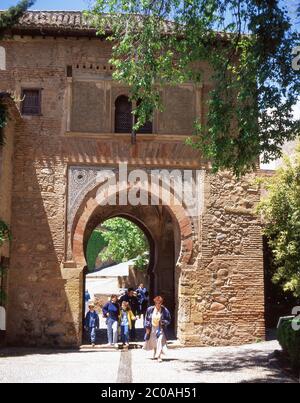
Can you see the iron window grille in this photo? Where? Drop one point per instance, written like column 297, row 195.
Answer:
column 124, row 117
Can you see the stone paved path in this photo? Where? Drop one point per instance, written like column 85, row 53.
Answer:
column 212, row 365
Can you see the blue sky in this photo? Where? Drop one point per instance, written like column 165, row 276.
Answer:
column 84, row 4
column 51, row 4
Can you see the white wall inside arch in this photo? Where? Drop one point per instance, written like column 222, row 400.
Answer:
column 2, row 58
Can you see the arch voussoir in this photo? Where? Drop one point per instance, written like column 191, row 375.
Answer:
column 92, row 205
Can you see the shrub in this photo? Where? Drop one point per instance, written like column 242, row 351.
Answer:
column 289, row 340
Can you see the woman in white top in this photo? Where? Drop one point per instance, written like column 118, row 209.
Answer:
column 157, row 319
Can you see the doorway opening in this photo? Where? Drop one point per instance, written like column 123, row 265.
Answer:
column 124, row 249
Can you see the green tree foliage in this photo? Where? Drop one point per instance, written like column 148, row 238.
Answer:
column 4, row 233
column 251, row 105
column 125, row 241
column 10, row 17
column 95, row 245
column 281, row 212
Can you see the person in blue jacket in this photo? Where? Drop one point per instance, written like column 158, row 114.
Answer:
column 87, row 296
column 92, row 323
column 87, row 299
column 157, row 319
column 111, row 311
column 143, row 298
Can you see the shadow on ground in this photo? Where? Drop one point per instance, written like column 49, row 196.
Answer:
column 7, row 352
column 239, row 362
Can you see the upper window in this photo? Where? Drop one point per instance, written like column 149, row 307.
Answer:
column 124, row 117
column 147, row 128
column 31, row 102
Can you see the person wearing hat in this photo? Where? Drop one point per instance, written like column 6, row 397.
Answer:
column 92, row 323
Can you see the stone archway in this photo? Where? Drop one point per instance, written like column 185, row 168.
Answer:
column 90, row 207
column 168, row 227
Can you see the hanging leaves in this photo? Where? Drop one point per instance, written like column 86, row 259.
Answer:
column 248, row 45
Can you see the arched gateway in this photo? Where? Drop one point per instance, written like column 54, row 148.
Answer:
column 166, row 223
column 206, row 260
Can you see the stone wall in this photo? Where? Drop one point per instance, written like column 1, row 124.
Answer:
column 219, row 284
column 6, row 178
column 223, row 294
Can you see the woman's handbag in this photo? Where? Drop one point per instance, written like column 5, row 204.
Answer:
column 158, row 332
